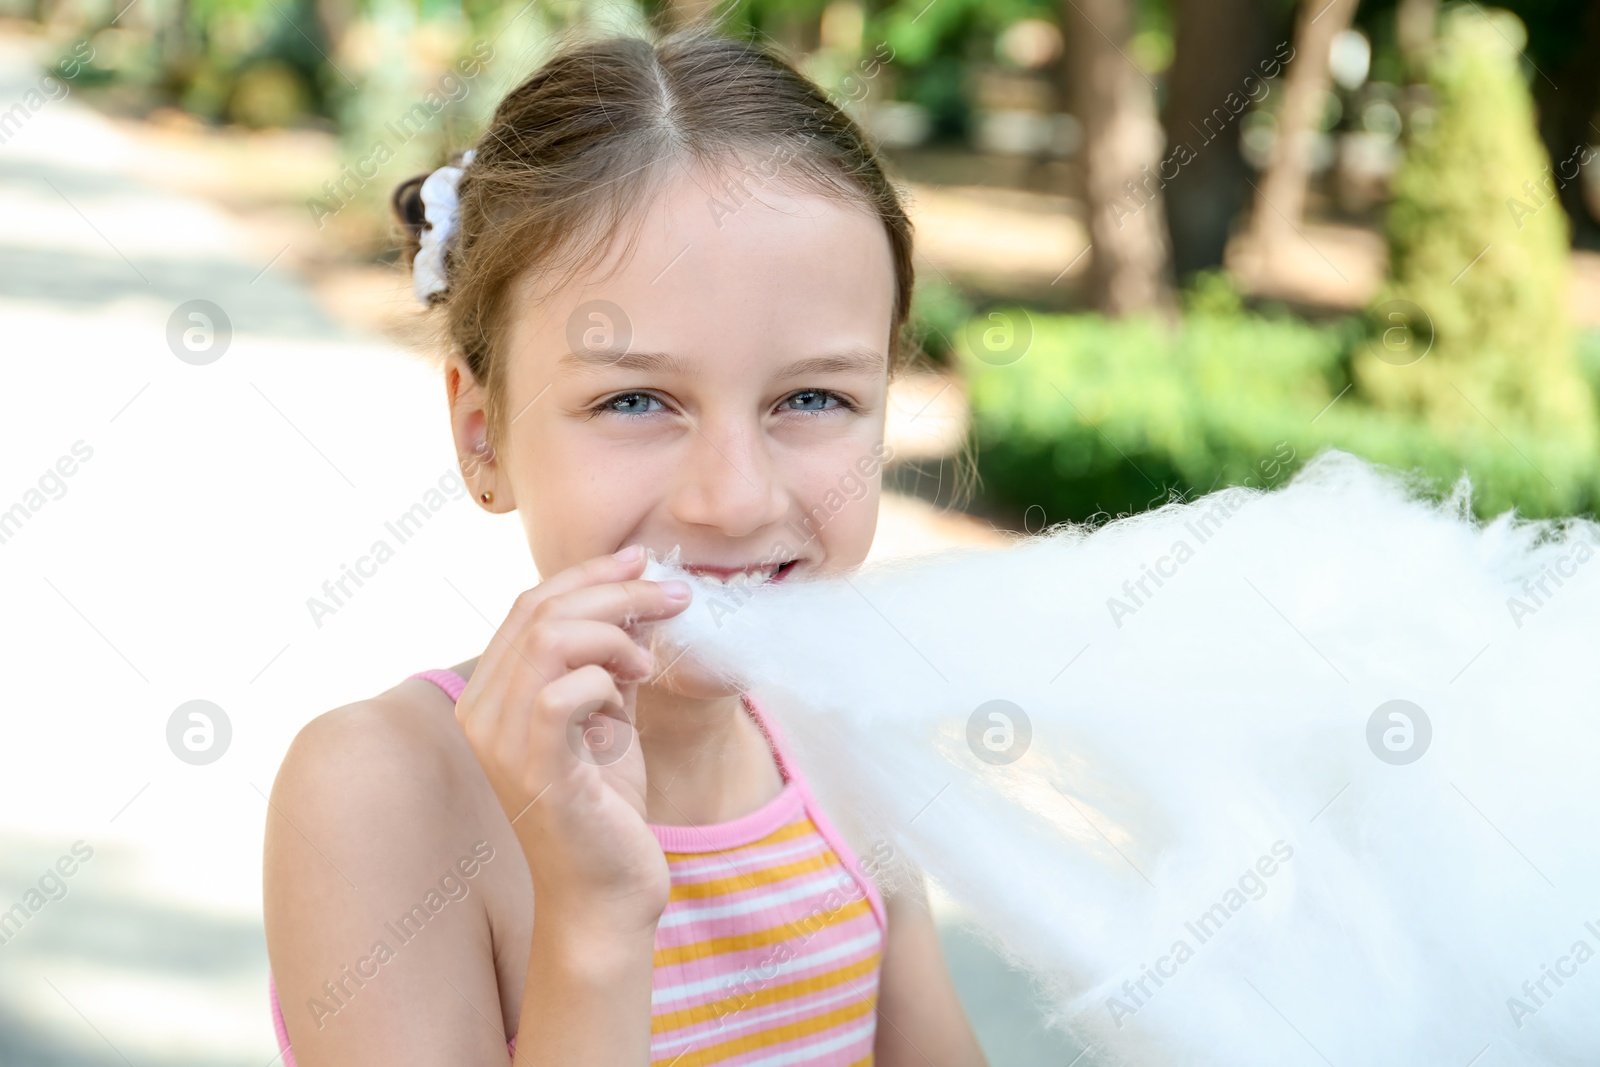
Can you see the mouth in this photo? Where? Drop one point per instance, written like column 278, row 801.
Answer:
column 741, row 577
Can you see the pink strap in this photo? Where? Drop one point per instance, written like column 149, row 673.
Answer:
column 446, row 679
column 825, row 827
column 278, row 1024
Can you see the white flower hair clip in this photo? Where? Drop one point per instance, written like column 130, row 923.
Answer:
column 439, row 202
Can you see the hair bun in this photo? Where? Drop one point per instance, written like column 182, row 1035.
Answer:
column 406, row 203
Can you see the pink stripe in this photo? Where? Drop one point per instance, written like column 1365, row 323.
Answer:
column 446, row 679
column 810, row 959
column 749, row 1021
column 836, row 1056
column 763, row 960
column 807, row 887
column 749, row 861
column 278, row 1025
column 770, row 914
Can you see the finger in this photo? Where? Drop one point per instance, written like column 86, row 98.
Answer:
column 489, row 691
column 561, row 715
column 481, row 710
column 512, row 734
column 545, row 650
column 592, row 571
column 509, row 675
column 507, row 645
column 562, row 645
column 618, row 603
column 514, row 650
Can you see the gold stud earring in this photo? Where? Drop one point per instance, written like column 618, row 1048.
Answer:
column 487, row 496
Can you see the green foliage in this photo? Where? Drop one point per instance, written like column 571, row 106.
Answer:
column 1589, row 358
column 1479, row 246
column 932, row 44
column 260, row 62
column 425, row 88
column 267, row 93
column 766, row 16
column 1113, row 417
column 938, row 312
column 390, row 131
column 1212, row 293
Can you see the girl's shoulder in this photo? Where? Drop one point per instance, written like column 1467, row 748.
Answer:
column 406, row 734
column 383, row 783
column 381, row 824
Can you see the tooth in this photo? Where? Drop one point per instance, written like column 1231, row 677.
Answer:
column 742, row 579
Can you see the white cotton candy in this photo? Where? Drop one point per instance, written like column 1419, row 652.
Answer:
column 1188, row 733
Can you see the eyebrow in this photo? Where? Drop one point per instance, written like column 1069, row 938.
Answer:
column 858, row 359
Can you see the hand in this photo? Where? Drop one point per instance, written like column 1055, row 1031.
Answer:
column 549, row 712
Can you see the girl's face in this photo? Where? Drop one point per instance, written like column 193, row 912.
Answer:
column 722, row 389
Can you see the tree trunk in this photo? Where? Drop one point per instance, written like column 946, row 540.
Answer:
column 1565, row 117
column 1280, row 203
column 1115, row 102
column 682, row 13
column 1415, row 22
column 1220, row 43
column 335, row 16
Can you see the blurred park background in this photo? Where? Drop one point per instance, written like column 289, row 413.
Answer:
column 1228, row 231
column 1165, row 246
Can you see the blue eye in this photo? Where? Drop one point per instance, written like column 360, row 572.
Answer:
column 823, row 395
column 609, row 406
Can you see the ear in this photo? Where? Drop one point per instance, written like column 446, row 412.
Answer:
column 469, row 421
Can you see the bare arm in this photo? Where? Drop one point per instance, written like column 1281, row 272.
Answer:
column 587, row 999
column 380, row 942
column 921, row 1021
column 367, row 825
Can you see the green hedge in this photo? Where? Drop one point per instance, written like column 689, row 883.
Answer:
column 1084, row 415
column 1478, row 253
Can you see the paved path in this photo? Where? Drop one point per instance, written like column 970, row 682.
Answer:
column 168, row 518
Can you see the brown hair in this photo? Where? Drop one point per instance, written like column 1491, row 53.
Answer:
column 572, row 153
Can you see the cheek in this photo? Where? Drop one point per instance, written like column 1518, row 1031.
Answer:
column 840, row 495
column 577, row 501
column 848, row 468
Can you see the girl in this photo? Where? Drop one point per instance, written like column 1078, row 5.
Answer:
column 673, row 282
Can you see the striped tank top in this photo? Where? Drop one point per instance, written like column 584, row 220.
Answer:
column 769, row 951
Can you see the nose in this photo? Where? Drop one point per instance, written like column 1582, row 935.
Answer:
column 728, row 479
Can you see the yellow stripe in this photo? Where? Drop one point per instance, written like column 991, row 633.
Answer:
column 806, row 925
column 731, row 1005
column 718, row 887
column 867, row 1062
column 777, row 1035
column 783, row 833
